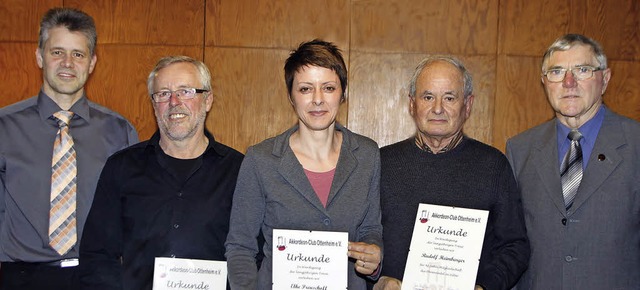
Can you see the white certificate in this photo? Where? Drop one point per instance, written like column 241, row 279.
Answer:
column 445, row 248
column 174, row 273
column 313, row 260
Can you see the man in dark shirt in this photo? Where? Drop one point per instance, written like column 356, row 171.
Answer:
column 442, row 166
column 169, row 196
column 39, row 244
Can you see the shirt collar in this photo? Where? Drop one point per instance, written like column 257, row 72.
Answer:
column 46, row 107
column 214, row 146
column 424, row 147
column 589, row 130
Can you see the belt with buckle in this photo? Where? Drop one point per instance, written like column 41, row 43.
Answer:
column 65, row 263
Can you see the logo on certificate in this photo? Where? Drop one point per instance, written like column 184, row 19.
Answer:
column 282, row 243
column 424, row 216
column 162, row 268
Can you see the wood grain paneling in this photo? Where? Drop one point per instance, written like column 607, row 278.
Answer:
column 623, row 92
column 165, row 22
column 378, row 95
column 18, row 71
column 433, row 26
column 276, row 24
column 520, row 99
column 251, row 102
column 245, row 43
column 483, row 71
column 119, row 80
column 20, row 19
column 615, row 24
column 379, row 104
column 527, row 28
column 19, row 23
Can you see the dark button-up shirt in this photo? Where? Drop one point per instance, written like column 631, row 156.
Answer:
column 142, row 211
column 27, row 132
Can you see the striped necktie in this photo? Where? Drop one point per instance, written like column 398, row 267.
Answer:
column 571, row 169
column 62, row 215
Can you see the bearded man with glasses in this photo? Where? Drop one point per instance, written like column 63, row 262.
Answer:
column 579, row 177
column 169, row 196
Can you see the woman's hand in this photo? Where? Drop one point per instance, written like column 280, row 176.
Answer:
column 367, row 257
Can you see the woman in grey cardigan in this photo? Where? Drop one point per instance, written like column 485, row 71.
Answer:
column 317, row 175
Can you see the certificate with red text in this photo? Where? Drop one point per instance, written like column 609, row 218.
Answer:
column 313, row 260
column 445, row 248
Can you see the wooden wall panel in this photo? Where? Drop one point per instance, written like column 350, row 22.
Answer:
column 18, row 71
column 245, row 43
column 378, row 90
column 20, row 19
column 431, row 26
column 119, row 80
column 276, row 24
column 19, row 22
column 527, row 28
column 615, row 24
column 251, row 102
column 483, row 71
column 520, row 99
column 166, row 22
column 623, row 92
column 379, row 104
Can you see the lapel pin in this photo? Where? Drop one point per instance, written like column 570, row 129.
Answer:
column 601, row 157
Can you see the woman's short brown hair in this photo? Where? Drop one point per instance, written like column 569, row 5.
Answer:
column 316, row 53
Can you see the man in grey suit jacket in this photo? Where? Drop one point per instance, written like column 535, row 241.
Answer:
column 591, row 240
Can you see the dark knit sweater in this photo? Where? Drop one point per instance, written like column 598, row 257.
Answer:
column 471, row 175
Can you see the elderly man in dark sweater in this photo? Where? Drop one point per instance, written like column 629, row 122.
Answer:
column 442, row 166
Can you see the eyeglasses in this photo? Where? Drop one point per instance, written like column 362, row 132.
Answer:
column 580, row 73
column 182, row 94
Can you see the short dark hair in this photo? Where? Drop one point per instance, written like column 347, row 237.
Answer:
column 316, row 52
column 72, row 19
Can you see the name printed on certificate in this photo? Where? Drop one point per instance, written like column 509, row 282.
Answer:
column 175, row 273
column 312, row 260
column 445, row 248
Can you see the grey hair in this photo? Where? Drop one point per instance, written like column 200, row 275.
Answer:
column 72, row 19
column 567, row 41
column 466, row 76
column 205, row 75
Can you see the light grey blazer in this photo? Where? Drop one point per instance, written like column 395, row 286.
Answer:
column 597, row 244
column 274, row 192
